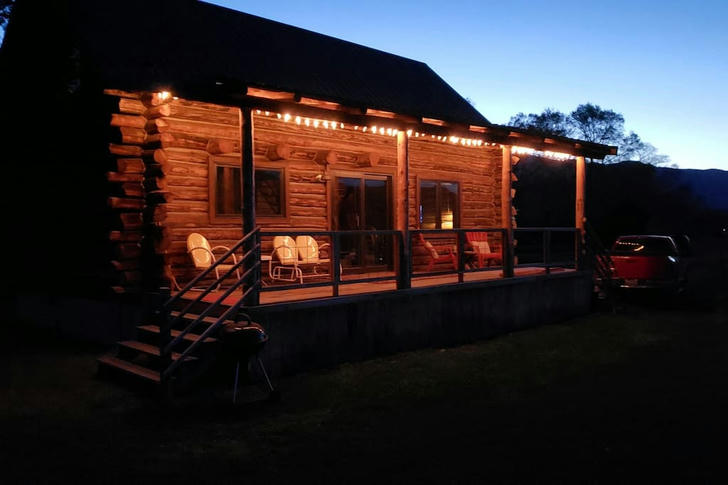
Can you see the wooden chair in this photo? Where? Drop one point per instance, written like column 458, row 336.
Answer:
column 436, row 257
column 478, row 242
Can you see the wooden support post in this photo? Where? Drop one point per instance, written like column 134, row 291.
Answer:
column 248, row 199
column 506, row 211
column 579, row 216
column 336, row 260
column 402, row 210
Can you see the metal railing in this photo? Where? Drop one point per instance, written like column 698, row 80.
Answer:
column 410, row 258
column 250, row 244
column 466, row 258
column 546, row 247
column 393, row 253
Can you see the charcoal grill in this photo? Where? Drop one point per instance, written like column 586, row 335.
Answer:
column 244, row 339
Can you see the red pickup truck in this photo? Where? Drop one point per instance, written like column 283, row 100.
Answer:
column 650, row 261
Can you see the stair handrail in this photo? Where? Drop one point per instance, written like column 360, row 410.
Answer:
column 177, row 296
column 167, row 344
column 214, row 326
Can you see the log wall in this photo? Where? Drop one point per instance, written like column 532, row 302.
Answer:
column 164, row 161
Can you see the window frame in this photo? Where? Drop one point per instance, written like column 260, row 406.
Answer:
column 215, row 218
column 458, row 200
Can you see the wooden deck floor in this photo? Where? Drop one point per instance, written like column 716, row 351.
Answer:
column 271, row 296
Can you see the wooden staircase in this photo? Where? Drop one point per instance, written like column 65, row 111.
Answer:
column 179, row 344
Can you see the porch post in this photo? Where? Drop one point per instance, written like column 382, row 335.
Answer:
column 507, row 211
column 248, row 197
column 402, row 209
column 579, row 214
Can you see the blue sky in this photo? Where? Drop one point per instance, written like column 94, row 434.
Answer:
column 662, row 64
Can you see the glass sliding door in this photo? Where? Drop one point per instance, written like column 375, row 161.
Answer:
column 364, row 203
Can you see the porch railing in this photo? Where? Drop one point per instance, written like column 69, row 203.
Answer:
column 334, row 277
column 546, row 247
column 408, row 259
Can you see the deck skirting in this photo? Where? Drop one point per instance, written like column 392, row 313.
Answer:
column 317, row 334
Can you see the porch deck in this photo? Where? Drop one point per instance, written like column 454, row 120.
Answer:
column 273, row 296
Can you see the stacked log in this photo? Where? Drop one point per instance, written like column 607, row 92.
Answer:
column 126, row 148
column 138, row 196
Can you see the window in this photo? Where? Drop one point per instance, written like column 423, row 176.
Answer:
column 226, row 191
column 439, row 205
column 269, row 201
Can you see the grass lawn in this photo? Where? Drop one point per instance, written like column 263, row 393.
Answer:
column 637, row 396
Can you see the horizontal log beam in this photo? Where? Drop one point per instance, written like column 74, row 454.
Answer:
column 124, row 203
column 130, row 121
column 124, row 177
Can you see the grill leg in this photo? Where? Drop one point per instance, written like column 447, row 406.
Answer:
column 235, row 384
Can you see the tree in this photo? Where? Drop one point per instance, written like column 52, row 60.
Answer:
column 550, row 122
column 597, row 125
column 592, row 123
column 634, row 149
column 5, row 7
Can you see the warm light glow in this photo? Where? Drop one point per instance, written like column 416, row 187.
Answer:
column 545, row 154
column 164, row 95
column 447, row 219
column 381, row 130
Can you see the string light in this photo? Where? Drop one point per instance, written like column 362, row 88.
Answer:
column 518, row 150
column 381, row 130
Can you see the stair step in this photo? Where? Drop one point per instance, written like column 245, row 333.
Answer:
column 192, row 316
column 149, row 349
column 130, row 368
column 190, row 337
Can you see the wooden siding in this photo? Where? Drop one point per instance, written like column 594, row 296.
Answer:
column 182, row 136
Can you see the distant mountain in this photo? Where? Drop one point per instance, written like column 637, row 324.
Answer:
column 710, row 186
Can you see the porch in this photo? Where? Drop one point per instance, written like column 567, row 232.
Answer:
column 381, row 261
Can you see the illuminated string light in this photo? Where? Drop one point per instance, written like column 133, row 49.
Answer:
column 518, row 150
column 381, row 130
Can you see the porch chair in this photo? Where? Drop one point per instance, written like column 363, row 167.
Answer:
column 309, row 252
column 203, row 255
column 436, row 257
column 478, row 241
column 286, row 254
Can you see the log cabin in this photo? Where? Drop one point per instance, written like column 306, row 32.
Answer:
column 131, row 125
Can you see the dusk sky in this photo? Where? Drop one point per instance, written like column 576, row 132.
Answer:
column 662, row 64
